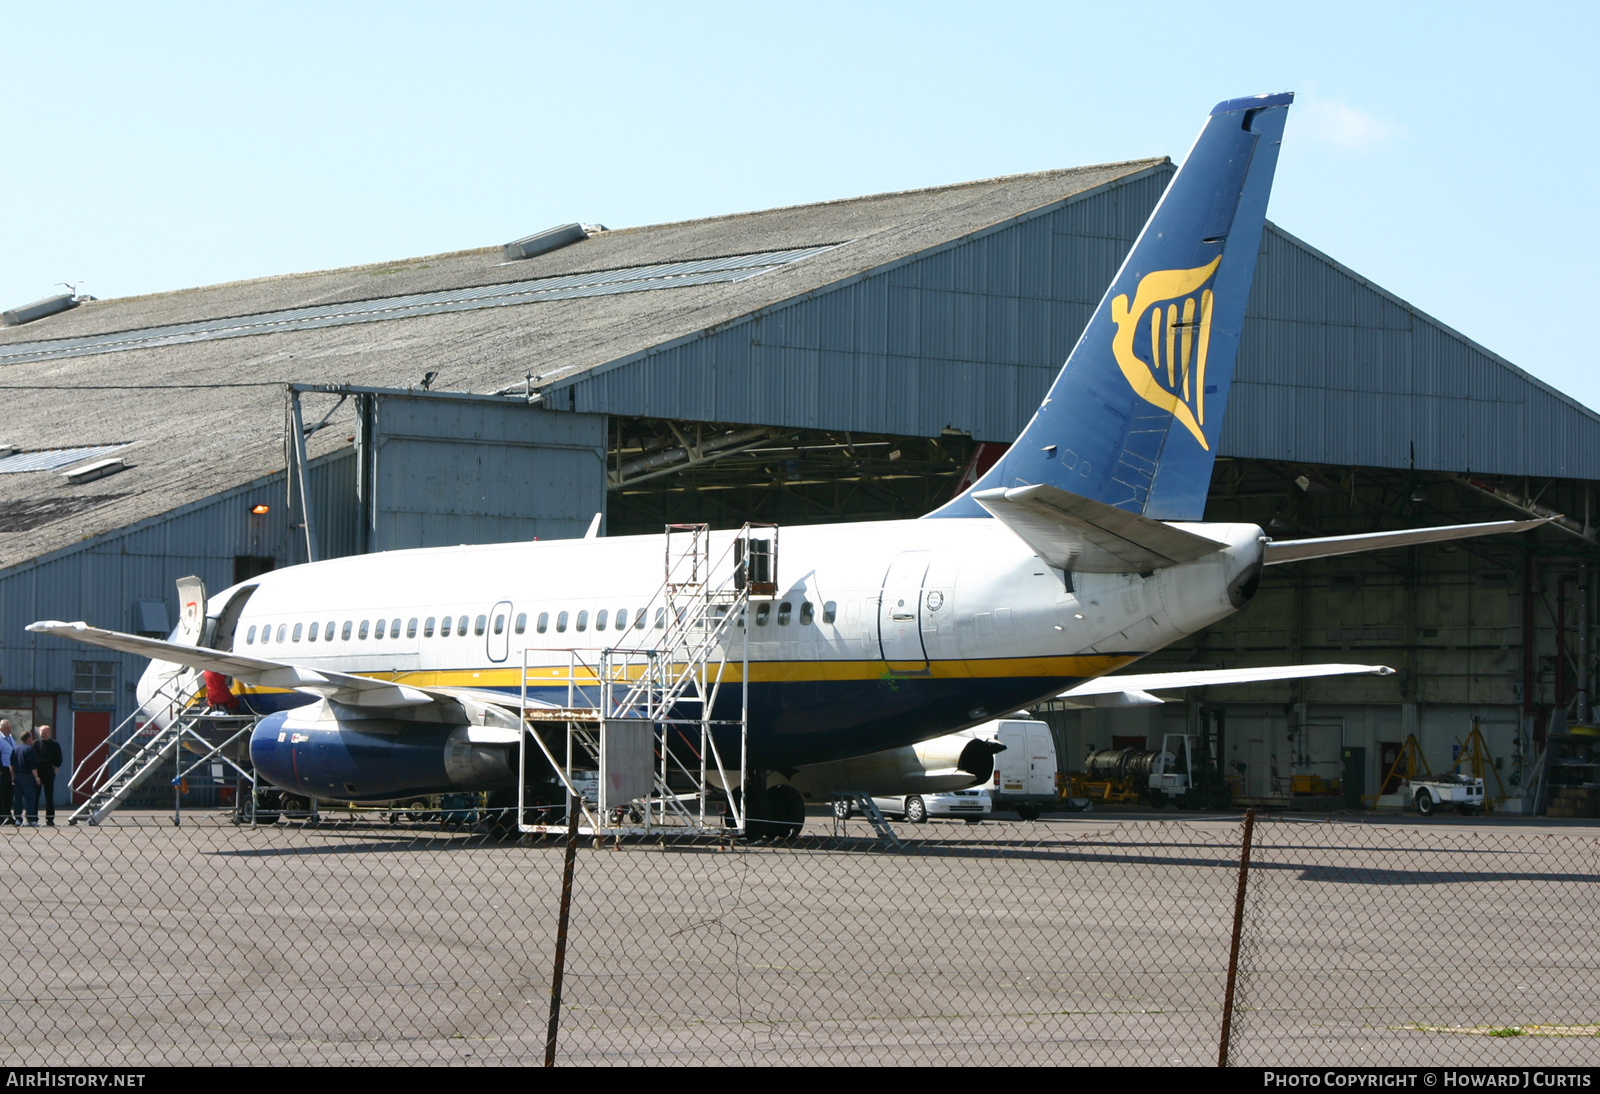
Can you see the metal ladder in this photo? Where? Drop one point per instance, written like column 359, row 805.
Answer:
column 672, row 686
column 869, row 809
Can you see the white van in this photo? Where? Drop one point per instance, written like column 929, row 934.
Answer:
column 1025, row 773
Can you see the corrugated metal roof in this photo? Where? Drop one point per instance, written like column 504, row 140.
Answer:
column 51, row 459
column 665, row 275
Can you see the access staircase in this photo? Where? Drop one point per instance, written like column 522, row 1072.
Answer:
column 642, row 712
column 111, row 772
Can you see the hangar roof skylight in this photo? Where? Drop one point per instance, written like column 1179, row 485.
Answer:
column 666, row 275
column 50, row 459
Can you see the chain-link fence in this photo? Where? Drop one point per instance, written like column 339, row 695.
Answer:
column 376, row 939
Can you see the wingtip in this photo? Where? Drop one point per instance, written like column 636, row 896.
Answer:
column 45, row 625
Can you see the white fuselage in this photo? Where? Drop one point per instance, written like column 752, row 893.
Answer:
column 880, row 634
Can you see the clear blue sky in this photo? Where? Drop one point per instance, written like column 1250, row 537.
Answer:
column 1448, row 157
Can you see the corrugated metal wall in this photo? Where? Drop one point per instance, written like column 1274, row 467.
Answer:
column 100, row 580
column 1335, row 370
column 450, row 471
column 968, row 336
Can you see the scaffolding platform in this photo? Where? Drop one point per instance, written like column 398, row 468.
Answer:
column 642, row 713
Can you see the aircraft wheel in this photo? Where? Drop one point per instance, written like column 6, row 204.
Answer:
column 1425, row 803
column 788, row 811
column 1029, row 812
column 842, row 810
column 759, row 822
column 1158, row 800
column 916, row 809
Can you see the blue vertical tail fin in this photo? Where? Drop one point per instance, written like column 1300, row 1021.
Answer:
column 1134, row 416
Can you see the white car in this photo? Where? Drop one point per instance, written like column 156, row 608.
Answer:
column 971, row 806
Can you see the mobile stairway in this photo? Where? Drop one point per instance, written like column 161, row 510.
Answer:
column 641, row 713
column 138, row 747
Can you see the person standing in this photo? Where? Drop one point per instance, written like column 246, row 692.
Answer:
column 8, row 747
column 48, row 751
column 25, row 766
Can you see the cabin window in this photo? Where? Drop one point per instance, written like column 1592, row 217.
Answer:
column 661, row 618
column 600, row 619
column 805, row 613
column 830, row 612
column 344, row 631
column 763, row 611
column 363, row 634
column 327, row 631
column 378, row 632
column 641, row 619
column 561, row 623
column 544, row 622
column 482, row 625
column 500, row 624
column 411, row 627
column 312, row 634
column 250, row 636
column 461, row 626
column 394, row 628
column 283, row 632
column 783, row 614
column 297, row 629
column 522, row 622
column 427, row 627
column 583, row 621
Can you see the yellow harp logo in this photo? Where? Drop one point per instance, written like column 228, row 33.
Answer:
column 1179, row 323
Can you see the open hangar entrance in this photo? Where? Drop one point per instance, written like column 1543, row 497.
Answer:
column 1491, row 634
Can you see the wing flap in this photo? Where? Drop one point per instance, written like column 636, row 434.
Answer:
column 360, row 691
column 1078, row 533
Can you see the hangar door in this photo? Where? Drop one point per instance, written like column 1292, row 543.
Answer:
column 436, row 472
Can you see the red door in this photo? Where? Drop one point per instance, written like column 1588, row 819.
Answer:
column 90, row 728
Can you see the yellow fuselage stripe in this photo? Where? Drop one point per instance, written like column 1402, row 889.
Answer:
column 1082, row 666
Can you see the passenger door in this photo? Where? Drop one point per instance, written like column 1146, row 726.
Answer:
column 899, row 613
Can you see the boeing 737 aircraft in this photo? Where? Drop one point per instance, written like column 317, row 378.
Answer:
column 1079, row 552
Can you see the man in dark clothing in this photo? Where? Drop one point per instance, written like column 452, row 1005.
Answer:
column 48, row 750
column 8, row 746
column 25, row 766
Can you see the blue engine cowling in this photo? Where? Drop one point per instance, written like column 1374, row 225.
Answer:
column 373, row 759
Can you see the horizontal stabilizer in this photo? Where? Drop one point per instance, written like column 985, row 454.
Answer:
column 1078, row 533
column 1294, row 550
column 1139, row 682
column 358, row 691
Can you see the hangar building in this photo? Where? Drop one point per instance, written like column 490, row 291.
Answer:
column 849, row 360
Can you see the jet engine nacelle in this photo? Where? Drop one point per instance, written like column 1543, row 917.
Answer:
column 330, row 751
column 953, row 762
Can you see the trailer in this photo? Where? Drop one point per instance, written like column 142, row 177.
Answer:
column 1429, row 792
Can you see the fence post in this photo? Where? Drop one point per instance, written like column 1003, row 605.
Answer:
column 1238, row 926
column 574, row 807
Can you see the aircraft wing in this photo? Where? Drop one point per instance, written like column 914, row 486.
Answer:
column 1078, row 533
column 358, row 691
column 1134, row 689
column 1293, row 550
